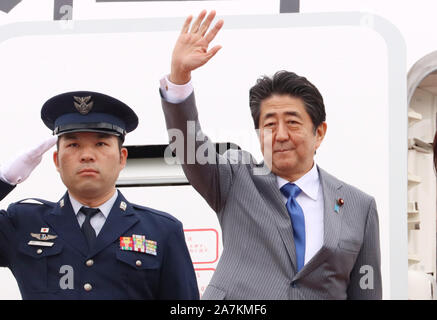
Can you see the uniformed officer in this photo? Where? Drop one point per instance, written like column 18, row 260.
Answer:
column 92, row 243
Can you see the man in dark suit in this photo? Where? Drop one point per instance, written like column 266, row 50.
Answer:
column 92, row 243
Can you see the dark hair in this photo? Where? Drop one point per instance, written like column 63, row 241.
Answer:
column 435, row 150
column 285, row 82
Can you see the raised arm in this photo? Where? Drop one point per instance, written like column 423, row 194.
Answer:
column 12, row 173
column 208, row 172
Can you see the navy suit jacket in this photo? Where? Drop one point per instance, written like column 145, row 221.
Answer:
column 104, row 272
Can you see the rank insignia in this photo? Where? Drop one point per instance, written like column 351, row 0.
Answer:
column 43, row 236
column 126, row 243
column 62, row 203
column 123, row 206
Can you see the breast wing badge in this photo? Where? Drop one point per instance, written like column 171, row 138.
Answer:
column 43, row 236
column 83, row 104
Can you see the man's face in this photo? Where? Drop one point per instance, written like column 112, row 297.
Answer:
column 287, row 136
column 89, row 163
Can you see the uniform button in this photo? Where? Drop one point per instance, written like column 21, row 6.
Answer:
column 138, row 263
column 39, row 251
column 88, row 287
column 89, row 263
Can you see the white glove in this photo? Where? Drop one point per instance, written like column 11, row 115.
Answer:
column 19, row 168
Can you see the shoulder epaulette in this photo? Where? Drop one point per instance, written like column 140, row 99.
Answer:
column 35, row 201
column 153, row 211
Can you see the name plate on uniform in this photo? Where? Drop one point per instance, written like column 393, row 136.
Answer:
column 40, row 243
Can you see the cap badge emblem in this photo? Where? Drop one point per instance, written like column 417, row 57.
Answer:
column 83, row 104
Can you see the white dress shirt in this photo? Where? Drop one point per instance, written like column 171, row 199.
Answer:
column 99, row 219
column 311, row 197
column 311, row 202
column 175, row 93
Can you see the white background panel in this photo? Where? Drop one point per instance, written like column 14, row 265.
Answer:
column 347, row 64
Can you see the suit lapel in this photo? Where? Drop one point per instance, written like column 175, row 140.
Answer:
column 63, row 220
column 120, row 219
column 331, row 220
column 268, row 186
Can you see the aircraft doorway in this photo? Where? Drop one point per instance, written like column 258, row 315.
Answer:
column 422, row 220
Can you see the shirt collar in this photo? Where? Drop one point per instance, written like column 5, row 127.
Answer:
column 105, row 208
column 309, row 183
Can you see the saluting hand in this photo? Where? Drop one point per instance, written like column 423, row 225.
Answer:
column 191, row 49
column 19, row 168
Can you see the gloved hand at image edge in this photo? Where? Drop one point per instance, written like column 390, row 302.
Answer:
column 18, row 169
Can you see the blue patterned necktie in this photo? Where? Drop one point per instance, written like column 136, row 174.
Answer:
column 291, row 191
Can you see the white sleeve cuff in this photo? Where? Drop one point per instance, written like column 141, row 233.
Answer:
column 175, row 93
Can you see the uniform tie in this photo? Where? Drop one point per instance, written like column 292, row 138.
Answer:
column 87, row 228
column 291, row 191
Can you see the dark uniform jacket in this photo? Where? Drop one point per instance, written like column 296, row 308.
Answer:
column 68, row 270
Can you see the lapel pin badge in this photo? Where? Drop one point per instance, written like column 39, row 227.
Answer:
column 338, row 204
